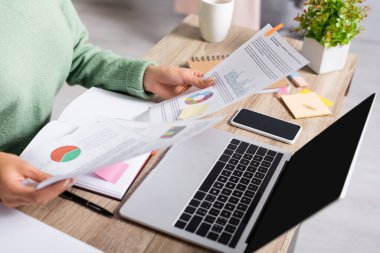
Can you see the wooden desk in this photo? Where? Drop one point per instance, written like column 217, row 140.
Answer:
column 118, row 235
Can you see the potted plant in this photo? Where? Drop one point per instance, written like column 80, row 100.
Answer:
column 328, row 27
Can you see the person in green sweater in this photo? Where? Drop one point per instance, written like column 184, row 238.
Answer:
column 44, row 44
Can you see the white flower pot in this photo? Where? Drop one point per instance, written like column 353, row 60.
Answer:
column 322, row 59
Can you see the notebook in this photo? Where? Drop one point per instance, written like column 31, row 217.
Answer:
column 112, row 181
column 305, row 105
column 206, row 63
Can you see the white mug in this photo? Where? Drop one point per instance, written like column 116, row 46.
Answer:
column 215, row 17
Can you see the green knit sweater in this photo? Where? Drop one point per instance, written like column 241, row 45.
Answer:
column 43, row 43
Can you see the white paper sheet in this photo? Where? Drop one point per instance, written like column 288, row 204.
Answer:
column 98, row 102
column 257, row 64
column 106, row 141
column 22, row 233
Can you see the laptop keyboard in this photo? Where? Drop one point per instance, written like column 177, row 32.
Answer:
column 222, row 206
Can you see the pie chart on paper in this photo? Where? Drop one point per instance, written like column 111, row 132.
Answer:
column 65, row 154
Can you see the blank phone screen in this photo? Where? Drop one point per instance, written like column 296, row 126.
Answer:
column 267, row 124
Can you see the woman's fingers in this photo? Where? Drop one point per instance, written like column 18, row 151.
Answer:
column 194, row 77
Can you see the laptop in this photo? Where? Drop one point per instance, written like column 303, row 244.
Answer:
column 232, row 194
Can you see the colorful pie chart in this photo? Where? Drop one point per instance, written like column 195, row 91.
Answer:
column 198, row 97
column 65, row 154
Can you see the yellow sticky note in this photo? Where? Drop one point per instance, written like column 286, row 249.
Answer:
column 191, row 111
column 326, row 101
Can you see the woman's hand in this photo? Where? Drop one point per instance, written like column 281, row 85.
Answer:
column 168, row 82
column 14, row 170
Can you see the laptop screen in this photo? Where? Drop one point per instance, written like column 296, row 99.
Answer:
column 313, row 178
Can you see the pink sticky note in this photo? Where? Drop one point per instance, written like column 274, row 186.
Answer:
column 113, row 172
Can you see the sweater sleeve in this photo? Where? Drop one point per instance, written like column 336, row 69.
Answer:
column 92, row 66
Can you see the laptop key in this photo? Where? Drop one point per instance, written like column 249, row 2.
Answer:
column 210, row 198
column 222, row 198
column 194, row 223
column 242, row 147
column 194, row 203
column 185, row 217
column 248, row 175
column 259, row 175
column 224, row 238
column 229, row 167
column 265, row 163
column 224, row 158
column 253, row 187
column 249, row 194
column 235, row 142
column 212, row 236
column 244, row 181
column 206, row 205
column 252, row 149
column 203, row 229
column 271, row 153
column 226, row 173
column 230, row 185
column 229, row 207
column 217, row 228
column 234, row 179
column 214, row 191
column 257, row 158
column 251, row 169
column 199, row 195
column 214, row 212
column 238, row 214
column 210, row 219
column 234, row 221
column 244, row 161
column 241, row 187
column 226, row 191
column 228, row 152
column 245, row 200
column 237, row 156
column 230, row 229
column 232, row 146
column 268, row 158
column 262, row 151
column 218, row 185
column 221, row 221
column 256, row 181
column 255, row 163
column 262, row 169
column 248, row 156
column 180, row 224
column 225, row 214
column 202, row 212
column 237, row 173
column 218, row 205
column 222, row 179
column 237, row 193
column 233, row 161
column 241, row 167
column 190, row 209
column 241, row 207
column 233, row 200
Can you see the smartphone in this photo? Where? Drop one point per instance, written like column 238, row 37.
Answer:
column 266, row 125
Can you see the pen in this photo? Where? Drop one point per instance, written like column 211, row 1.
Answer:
column 84, row 202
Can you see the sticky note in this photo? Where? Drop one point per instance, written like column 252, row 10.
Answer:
column 273, row 30
column 297, row 80
column 324, row 100
column 191, row 111
column 305, row 105
column 113, row 172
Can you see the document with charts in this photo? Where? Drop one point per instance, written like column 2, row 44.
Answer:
column 105, row 141
column 257, row 64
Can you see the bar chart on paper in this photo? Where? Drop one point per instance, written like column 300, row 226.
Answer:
column 65, row 153
column 238, row 83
